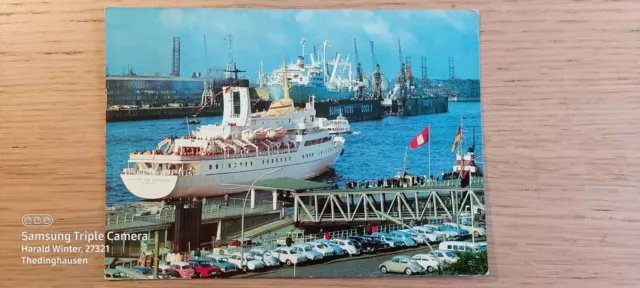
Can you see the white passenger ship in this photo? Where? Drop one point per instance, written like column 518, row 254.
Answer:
column 242, row 148
column 340, row 125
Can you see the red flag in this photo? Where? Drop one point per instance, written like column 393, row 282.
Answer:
column 420, row 139
column 464, row 181
column 227, row 90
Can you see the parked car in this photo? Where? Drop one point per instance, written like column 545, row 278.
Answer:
column 416, row 236
column 401, row 264
column 336, row 249
column 166, row 272
column 265, row 256
column 405, row 237
column 476, row 229
column 144, row 271
column 222, row 261
column 246, row 262
column 379, row 244
column 115, row 275
column 445, row 256
column 347, row 245
column 428, row 262
column 204, row 268
column 432, row 235
column 288, row 255
column 448, row 235
column 184, row 269
column 365, row 245
column 463, row 246
column 462, row 233
column 308, row 251
column 392, row 241
column 323, row 248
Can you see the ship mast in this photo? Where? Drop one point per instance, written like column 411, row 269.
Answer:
column 285, row 77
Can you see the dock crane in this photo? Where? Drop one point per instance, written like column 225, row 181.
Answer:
column 376, row 77
column 358, row 71
column 402, row 77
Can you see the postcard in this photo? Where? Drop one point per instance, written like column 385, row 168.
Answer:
column 255, row 143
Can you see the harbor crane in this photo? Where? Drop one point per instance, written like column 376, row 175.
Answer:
column 376, row 77
column 358, row 70
column 402, row 77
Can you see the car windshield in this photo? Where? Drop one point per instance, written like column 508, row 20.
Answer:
column 185, row 267
column 308, row 249
column 449, row 253
column 349, row 242
column 481, row 248
column 292, row 252
column 322, row 246
column 204, row 264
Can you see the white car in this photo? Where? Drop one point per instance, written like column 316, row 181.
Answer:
column 248, row 263
column 445, row 256
column 323, row 248
column 448, row 235
column 347, row 245
column 416, row 236
column 288, row 255
column 336, row 248
column 477, row 231
column 308, row 251
column 428, row 262
column 265, row 256
column 430, row 235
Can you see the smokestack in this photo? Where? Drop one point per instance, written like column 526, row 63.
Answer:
column 176, row 57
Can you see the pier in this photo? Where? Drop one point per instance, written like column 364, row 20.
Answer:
column 314, row 206
column 433, row 201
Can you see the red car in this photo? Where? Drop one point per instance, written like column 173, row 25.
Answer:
column 204, row 269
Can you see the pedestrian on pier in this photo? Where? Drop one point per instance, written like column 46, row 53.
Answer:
column 226, row 199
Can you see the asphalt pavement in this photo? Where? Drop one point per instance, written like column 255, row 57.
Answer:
column 365, row 265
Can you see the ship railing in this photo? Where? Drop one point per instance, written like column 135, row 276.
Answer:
column 129, row 171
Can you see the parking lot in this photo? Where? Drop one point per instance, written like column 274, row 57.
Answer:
column 365, row 265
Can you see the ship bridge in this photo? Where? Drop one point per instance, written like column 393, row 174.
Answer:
column 432, row 202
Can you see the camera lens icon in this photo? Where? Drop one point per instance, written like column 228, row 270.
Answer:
column 37, row 220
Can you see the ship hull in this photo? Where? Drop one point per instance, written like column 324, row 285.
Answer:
column 353, row 110
column 420, row 106
column 211, row 182
column 302, row 94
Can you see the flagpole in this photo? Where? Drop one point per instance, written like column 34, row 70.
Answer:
column 461, row 171
column 429, row 140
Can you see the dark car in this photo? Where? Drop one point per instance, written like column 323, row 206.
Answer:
column 363, row 244
column 378, row 243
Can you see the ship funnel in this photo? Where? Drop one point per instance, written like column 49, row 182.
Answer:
column 300, row 62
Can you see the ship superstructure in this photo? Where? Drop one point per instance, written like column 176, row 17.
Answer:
column 243, row 147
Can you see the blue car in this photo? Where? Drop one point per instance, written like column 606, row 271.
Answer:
column 405, row 237
column 389, row 239
column 462, row 232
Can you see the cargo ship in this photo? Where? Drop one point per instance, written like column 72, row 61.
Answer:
column 324, row 81
column 410, row 97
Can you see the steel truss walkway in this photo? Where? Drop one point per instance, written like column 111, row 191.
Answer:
column 412, row 203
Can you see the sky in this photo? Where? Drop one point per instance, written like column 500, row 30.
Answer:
column 142, row 38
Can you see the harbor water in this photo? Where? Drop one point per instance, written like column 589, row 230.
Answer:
column 375, row 151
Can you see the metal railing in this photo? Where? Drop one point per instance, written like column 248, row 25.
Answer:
column 441, row 183
column 210, row 210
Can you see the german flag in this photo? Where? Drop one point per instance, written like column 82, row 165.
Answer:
column 455, row 142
